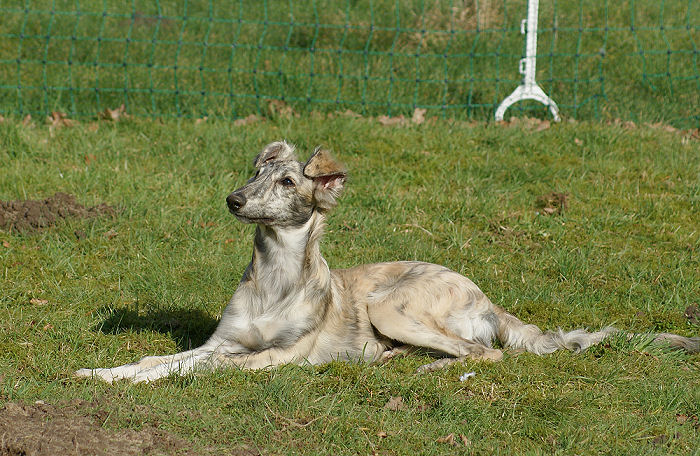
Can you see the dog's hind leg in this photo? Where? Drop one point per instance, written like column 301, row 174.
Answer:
column 413, row 331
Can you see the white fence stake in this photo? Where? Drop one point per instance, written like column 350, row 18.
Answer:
column 529, row 89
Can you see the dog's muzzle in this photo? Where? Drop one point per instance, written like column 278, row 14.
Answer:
column 235, row 201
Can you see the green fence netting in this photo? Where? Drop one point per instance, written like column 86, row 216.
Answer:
column 635, row 60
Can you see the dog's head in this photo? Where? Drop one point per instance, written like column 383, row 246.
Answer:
column 285, row 192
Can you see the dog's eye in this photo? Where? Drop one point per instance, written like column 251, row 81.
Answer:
column 287, row 182
column 257, row 173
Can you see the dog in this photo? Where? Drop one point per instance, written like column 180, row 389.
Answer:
column 291, row 308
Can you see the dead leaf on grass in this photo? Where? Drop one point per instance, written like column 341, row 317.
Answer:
column 114, row 115
column 38, row 302
column 578, row 142
column 692, row 420
column 395, row 403
column 201, row 120
column 391, row 121
column 6, row 244
column 382, row 434
column 529, row 123
column 111, row 234
column 692, row 134
column 47, row 326
column 280, row 108
column 662, row 126
column 448, row 439
column 59, row 119
column 27, row 121
column 89, row 158
column 542, row 125
column 418, row 116
column 246, row 120
column 350, row 113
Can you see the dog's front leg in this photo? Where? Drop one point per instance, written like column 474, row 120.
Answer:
column 214, row 357
column 210, row 361
column 163, row 365
column 299, row 353
column 260, row 360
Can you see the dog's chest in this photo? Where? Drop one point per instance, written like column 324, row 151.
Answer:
column 275, row 327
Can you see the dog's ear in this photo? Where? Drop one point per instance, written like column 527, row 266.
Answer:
column 328, row 176
column 276, row 151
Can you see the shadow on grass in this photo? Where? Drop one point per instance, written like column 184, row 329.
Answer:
column 189, row 328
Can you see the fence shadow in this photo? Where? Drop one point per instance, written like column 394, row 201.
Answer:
column 189, row 328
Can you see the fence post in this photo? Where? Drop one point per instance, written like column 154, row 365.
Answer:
column 529, row 89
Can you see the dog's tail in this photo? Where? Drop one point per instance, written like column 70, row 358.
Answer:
column 513, row 333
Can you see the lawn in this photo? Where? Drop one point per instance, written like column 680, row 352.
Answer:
column 154, row 277
column 635, row 60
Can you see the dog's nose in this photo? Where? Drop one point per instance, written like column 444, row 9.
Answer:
column 235, row 201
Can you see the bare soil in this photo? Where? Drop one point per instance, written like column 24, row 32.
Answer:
column 42, row 429
column 552, row 203
column 33, row 215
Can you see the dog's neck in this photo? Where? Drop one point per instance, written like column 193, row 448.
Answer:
column 285, row 260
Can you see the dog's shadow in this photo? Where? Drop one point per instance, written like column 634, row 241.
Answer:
column 189, row 328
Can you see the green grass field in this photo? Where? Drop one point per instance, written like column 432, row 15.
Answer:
column 635, row 60
column 154, row 279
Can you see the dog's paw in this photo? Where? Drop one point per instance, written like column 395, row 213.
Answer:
column 388, row 355
column 83, row 373
column 102, row 374
column 492, row 354
column 108, row 375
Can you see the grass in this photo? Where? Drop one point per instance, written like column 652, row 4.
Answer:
column 624, row 252
column 633, row 60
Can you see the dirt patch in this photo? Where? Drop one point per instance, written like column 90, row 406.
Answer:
column 692, row 313
column 33, row 215
column 552, row 203
column 505, row 227
column 501, row 229
column 43, row 429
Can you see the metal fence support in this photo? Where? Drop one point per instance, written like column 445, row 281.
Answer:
column 529, row 89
